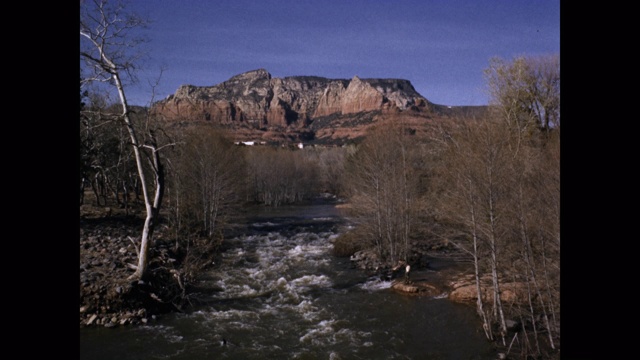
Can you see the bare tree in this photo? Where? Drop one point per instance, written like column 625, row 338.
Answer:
column 281, row 176
column 208, row 179
column 330, row 164
column 474, row 184
column 382, row 182
column 526, row 90
column 107, row 47
column 497, row 191
column 107, row 158
column 535, row 218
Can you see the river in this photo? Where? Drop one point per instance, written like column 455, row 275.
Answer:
column 276, row 292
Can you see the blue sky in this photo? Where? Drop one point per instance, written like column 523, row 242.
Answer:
column 442, row 47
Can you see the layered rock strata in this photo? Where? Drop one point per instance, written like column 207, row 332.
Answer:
column 258, row 100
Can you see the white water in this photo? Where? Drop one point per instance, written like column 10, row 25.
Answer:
column 282, row 295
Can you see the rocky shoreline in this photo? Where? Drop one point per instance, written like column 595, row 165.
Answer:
column 437, row 271
column 107, row 296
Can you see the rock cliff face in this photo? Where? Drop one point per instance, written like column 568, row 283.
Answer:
column 256, row 99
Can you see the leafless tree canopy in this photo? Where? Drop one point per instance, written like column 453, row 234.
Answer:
column 105, row 40
column 382, row 178
column 208, row 176
column 526, row 90
column 110, row 41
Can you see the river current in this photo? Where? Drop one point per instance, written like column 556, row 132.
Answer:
column 277, row 292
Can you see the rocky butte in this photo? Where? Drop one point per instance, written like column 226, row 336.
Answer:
column 257, row 106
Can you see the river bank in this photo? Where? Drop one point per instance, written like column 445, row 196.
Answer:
column 277, row 291
column 107, row 297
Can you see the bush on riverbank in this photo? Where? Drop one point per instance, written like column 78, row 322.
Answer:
column 347, row 244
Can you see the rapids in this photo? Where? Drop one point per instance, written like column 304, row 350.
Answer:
column 276, row 292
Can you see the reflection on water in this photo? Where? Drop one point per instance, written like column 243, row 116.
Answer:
column 285, row 297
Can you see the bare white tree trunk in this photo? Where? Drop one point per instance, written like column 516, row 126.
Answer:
column 147, row 230
column 476, row 268
column 494, row 270
column 105, row 28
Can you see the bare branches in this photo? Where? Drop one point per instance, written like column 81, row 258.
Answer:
column 527, row 91
column 382, row 179
column 109, row 39
column 108, row 50
column 502, row 190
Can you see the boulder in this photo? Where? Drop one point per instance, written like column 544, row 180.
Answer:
column 366, row 260
column 404, row 287
column 421, row 287
column 465, row 290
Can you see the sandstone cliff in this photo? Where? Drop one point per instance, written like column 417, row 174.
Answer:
column 256, row 98
column 256, row 106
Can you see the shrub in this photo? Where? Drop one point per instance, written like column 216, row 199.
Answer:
column 347, row 244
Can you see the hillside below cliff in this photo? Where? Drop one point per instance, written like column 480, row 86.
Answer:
column 256, row 106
